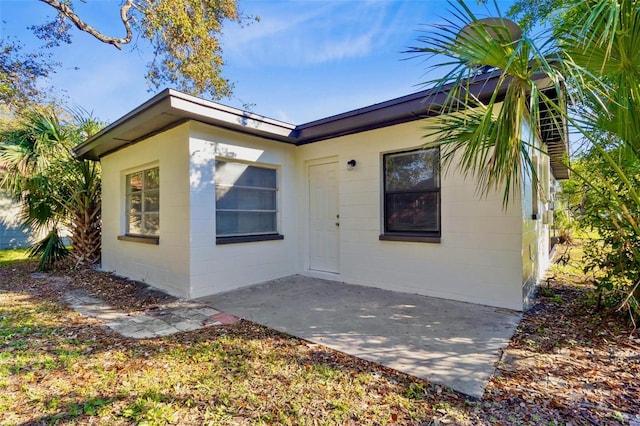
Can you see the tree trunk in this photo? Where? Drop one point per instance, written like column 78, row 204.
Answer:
column 85, row 236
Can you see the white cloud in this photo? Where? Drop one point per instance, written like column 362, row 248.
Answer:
column 308, row 33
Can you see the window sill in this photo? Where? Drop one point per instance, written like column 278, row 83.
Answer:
column 139, row 239
column 248, row 239
column 409, row 238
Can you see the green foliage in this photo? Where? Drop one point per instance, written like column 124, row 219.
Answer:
column 20, row 73
column 611, row 255
column 50, row 249
column 55, row 190
column 487, row 140
column 590, row 53
column 151, row 410
column 532, row 12
column 567, row 209
column 416, row 391
column 184, row 36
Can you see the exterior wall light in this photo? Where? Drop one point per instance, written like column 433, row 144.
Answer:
column 351, row 164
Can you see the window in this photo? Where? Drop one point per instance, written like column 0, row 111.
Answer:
column 246, row 203
column 412, row 194
column 143, row 203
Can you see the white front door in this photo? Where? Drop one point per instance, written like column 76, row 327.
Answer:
column 324, row 218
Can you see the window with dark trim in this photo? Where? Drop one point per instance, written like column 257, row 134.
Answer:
column 143, row 203
column 412, row 194
column 246, row 202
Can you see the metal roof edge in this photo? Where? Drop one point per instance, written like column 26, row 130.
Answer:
column 169, row 107
column 80, row 150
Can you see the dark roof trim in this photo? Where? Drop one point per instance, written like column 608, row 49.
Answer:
column 170, row 108
column 407, row 108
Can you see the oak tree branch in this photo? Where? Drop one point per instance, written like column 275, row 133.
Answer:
column 83, row 26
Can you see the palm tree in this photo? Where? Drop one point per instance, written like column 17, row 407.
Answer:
column 485, row 139
column 593, row 55
column 55, row 190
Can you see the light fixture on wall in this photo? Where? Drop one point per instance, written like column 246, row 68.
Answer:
column 351, row 164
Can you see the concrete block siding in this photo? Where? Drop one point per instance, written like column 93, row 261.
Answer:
column 485, row 254
column 479, row 258
column 165, row 265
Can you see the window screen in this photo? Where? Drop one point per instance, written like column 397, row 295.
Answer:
column 412, row 192
column 246, row 201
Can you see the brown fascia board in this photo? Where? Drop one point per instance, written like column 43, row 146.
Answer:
column 170, row 108
column 407, row 108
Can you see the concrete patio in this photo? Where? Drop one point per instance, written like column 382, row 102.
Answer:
column 452, row 343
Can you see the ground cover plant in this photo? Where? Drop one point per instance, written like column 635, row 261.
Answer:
column 565, row 365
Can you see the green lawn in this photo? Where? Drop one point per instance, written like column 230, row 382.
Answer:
column 9, row 256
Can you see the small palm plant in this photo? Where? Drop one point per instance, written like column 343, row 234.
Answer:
column 56, row 191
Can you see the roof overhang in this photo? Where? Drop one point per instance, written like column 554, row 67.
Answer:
column 555, row 134
column 170, row 108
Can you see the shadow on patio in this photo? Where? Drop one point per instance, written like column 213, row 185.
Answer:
column 452, row 343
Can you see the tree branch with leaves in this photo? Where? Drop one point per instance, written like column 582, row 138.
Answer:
column 184, row 36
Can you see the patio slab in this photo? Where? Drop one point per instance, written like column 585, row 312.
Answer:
column 453, row 343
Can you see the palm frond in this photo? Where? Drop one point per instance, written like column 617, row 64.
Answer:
column 487, row 134
column 53, row 188
column 50, row 250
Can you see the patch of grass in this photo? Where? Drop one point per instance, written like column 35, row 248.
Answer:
column 569, row 263
column 547, row 292
column 9, row 256
column 151, row 410
column 416, row 391
column 452, row 412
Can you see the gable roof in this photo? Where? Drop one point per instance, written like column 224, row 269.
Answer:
column 170, row 108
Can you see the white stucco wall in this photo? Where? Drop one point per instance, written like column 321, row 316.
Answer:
column 218, row 268
column 165, row 265
column 479, row 256
column 535, row 230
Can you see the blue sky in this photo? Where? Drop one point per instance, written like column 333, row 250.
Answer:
column 304, row 60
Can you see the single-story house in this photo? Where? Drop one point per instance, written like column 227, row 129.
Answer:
column 201, row 198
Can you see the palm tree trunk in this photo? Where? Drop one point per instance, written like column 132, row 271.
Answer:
column 85, row 236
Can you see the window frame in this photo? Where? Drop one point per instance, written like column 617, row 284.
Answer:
column 427, row 236
column 249, row 236
column 132, row 236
